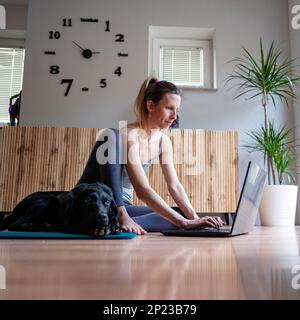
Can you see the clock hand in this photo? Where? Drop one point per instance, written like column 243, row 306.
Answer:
column 78, row 45
column 87, row 53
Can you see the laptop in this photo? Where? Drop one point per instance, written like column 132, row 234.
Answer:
column 243, row 220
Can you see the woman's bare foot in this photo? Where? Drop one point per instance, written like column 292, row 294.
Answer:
column 127, row 224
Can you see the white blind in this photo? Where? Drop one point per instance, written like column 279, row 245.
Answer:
column 11, row 76
column 182, row 65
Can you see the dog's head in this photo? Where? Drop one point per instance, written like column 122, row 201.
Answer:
column 91, row 209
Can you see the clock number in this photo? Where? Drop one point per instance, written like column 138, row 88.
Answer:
column 49, row 52
column 107, row 25
column 69, row 82
column 120, row 37
column 118, row 71
column 67, row 23
column 89, row 20
column 54, row 69
column 54, row 34
column 103, row 83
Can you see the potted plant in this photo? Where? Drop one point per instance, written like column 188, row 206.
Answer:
column 278, row 206
column 271, row 77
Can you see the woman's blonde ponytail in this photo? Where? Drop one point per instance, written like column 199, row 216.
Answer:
column 140, row 104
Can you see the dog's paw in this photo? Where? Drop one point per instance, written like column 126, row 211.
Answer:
column 115, row 228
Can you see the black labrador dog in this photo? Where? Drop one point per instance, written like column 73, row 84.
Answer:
column 87, row 208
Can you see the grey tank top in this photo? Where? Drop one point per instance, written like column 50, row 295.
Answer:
column 127, row 188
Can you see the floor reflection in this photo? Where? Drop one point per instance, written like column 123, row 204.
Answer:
column 266, row 266
column 254, row 266
column 197, row 269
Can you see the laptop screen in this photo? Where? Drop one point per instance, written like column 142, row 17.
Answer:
column 250, row 198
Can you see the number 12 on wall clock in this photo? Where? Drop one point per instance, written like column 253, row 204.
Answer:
column 90, row 52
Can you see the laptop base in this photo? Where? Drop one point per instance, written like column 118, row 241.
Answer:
column 197, row 233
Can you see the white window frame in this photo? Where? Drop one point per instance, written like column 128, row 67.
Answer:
column 181, row 34
column 12, row 38
column 183, row 43
column 2, row 17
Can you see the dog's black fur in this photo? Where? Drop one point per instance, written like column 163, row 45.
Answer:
column 87, row 208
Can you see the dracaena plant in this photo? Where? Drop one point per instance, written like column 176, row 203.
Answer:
column 279, row 145
column 269, row 77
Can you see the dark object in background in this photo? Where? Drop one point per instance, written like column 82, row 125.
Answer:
column 14, row 109
column 175, row 124
column 87, row 209
column 2, row 215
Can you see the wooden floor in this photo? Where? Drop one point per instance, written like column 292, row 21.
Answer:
column 254, row 266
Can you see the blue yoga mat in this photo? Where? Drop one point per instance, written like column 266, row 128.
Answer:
column 62, row 235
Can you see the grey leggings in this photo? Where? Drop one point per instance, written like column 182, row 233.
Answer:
column 111, row 175
column 150, row 220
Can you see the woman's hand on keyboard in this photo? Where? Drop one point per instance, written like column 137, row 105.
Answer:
column 207, row 221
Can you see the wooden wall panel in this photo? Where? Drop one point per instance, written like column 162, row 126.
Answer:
column 43, row 159
column 207, row 166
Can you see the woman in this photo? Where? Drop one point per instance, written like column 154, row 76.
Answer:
column 156, row 108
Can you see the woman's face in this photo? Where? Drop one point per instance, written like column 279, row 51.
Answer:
column 163, row 113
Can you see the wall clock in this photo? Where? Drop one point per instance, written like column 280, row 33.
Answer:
column 84, row 51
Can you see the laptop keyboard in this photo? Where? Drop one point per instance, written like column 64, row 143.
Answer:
column 223, row 229
column 209, row 230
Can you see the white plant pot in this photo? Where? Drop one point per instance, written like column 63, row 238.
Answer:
column 278, row 205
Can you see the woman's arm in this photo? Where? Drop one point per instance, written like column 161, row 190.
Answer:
column 175, row 188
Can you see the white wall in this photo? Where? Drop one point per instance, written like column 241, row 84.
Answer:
column 16, row 16
column 238, row 23
column 16, row 24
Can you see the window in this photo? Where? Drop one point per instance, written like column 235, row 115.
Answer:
column 181, row 65
column 11, row 76
column 183, row 62
column 184, row 56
